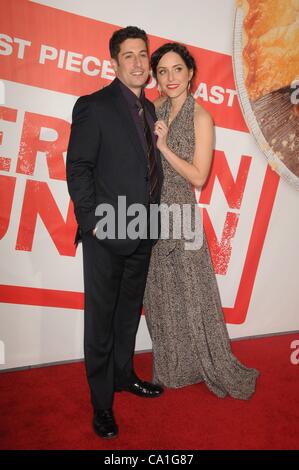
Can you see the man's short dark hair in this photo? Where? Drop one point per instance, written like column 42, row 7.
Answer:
column 119, row 36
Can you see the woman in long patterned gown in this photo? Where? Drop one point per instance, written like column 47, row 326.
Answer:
column 182, row 303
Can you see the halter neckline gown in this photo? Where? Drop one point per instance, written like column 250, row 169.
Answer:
column 182, row 303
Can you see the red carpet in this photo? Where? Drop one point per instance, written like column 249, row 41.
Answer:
column 48, row 408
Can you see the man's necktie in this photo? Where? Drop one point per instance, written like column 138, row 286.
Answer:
column 152, row 164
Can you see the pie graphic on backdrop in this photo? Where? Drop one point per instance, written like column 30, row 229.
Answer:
column 271, row 45
column 266, row 67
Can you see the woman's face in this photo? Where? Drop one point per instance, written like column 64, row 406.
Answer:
column 173, row 75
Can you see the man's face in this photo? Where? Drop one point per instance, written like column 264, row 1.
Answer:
column 132, row 64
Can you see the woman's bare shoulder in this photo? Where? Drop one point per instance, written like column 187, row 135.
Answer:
column 202, row 115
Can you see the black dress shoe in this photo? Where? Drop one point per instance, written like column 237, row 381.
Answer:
column 104, row 424
column 143, row 389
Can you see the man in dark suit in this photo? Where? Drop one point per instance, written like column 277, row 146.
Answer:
column 112, row 153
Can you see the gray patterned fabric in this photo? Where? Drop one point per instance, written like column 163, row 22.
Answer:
column 182, row 303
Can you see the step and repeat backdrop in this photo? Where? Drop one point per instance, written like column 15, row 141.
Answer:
column 53, row 51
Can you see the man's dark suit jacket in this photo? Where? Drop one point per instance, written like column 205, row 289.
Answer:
column 106, row 159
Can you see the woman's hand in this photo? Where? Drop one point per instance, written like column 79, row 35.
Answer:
column 161, row 130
